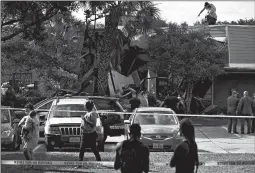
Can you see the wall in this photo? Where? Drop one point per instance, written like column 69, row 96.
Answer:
column 241, row 42
column 224, row 84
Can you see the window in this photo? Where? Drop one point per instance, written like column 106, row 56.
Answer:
column 46, row 106
column 156, row 119
column 103, row 104
column 65, row 110
column 5, row 117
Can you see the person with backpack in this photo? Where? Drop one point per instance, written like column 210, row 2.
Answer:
column 185, row 156
column 132, row 155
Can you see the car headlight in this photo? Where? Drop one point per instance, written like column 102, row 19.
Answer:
column 6, row 133
column 52, row 130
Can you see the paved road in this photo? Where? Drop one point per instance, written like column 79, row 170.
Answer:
column 209, row 139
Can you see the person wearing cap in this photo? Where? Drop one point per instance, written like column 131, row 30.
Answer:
column 245, row 108
column 132, row 156
column 211, row 16
column 232, row 103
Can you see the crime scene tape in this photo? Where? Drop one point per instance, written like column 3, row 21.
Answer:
column 111, row 164
column 126, row 113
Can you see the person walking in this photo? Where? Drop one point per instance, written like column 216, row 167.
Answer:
column 232, row 103
column 132, row 155
column 185, row 156
column 245, row 108
column 88, row 132
column 28, row 108
column 211, row 16
column 30, row 136
column 253, row 120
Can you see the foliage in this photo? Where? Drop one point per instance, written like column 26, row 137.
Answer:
column 186, row 57
column 27, row 17
column 189, row 55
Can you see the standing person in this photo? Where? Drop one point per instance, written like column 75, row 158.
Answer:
column 232, row 103
column 245, row 108
column 171, row 102
column 185, row 156
column 30, row 136
column 253, row 120
column 211, row 16
column 134, row 102
column 132, row 156
column 88, row 132
column 28, row 108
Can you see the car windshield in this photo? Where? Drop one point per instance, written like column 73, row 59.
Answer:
column 155, row 119
column 5, row 118
column 64, row 110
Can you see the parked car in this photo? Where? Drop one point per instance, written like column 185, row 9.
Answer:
column 10, row 138
column 159, row 132
column 113, row 123
column 62, row 127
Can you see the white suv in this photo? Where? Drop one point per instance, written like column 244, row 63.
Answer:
column 62, row 127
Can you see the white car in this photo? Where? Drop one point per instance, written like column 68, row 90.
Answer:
column 159, row 128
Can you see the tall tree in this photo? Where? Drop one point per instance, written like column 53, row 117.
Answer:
column 188, row 56
column 27, row 17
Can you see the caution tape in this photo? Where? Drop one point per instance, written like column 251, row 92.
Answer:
column 105, row 112
column 111, row 164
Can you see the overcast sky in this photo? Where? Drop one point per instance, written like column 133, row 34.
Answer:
column 181, row 11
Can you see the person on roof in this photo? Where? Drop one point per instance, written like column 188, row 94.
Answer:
column 211, row 16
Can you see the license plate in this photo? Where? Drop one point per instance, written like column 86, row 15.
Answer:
column 116, row 127
column 158, row 146
column 74, row 139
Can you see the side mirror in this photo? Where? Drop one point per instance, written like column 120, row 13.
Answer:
column 126, row 122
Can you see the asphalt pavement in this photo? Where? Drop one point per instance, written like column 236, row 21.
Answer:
column 212, row 139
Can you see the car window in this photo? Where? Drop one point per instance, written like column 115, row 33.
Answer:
column 46, row 106
column 156, row 119
column 104, row 104
column 65, row 110
column 5, row 117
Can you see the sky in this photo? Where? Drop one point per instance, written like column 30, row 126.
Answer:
column 187, row 11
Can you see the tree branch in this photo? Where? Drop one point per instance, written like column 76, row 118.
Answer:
column 28, row 25
column 11, row 22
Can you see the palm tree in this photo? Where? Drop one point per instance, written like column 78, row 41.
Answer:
column 139, row 17
column 138, row 20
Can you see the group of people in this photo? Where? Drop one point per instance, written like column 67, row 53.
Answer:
column 132, row 155
column 242, row 107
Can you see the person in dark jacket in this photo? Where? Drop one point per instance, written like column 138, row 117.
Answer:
column 232, row 103
column 171, row 102
column 245, row 108
column 185, row 156
column 132, row 156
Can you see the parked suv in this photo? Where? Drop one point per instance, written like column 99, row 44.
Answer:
column 62, row 127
